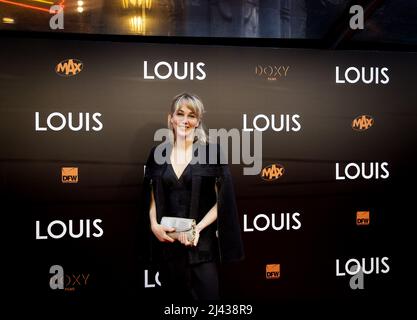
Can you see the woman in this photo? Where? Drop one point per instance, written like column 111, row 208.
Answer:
column 188, row 186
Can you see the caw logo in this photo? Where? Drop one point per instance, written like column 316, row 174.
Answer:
column 272, row 172
column 271, row 72
column 69, row 175
column 69, row 67
column 273, row 271
column 362, row 218
column 362, row 123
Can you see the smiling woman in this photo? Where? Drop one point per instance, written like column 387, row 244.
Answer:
column 186, row 189
column 184, row 122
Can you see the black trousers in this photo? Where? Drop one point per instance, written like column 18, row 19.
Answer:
column 182, row 281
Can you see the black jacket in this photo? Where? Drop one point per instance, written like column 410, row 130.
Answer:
column 230, row 247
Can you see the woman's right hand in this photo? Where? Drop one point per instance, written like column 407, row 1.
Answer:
column 160, row 232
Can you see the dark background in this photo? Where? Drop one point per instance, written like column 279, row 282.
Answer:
column 111, row 163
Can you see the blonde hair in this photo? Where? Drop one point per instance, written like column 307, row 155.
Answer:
column 194, row 103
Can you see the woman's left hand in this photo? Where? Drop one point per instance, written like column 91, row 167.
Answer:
column 184, row 240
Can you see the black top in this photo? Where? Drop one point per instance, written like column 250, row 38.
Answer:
column 177, row 193
column 192, row 195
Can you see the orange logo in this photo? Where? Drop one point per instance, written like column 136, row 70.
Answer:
column 362, row 123
column 69, row 67
column 69, row 174
column 273, row 271
column 362, row 218
column 272, row 172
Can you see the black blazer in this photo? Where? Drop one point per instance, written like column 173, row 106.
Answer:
column 230, row 246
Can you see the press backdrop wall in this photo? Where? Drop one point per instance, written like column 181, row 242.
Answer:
column 109, row 79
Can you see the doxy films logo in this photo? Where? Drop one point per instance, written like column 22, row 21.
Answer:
column 271, row 72
column 67, row 282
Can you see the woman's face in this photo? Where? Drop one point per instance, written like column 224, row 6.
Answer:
column 184, row 121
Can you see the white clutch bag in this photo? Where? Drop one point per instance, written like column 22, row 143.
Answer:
column 181, row 225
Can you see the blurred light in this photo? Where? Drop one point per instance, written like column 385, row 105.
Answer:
column 126, row 4
column 80, row 8
column 8, row 20
column 25, row 5
column 136, row 24
column 43, row 1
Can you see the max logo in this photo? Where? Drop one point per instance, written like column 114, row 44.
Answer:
column 69, row 67
column 362, row 123
column 272, row 172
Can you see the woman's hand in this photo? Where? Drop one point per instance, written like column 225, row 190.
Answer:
column 184, row 240
column 160, row 232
